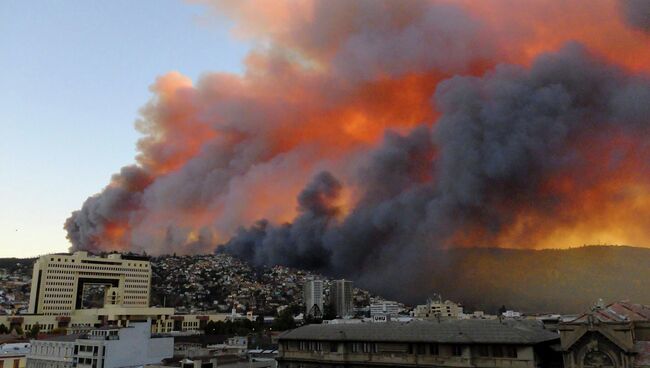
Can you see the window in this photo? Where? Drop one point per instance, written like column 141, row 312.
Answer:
column 16, row 363
column 483, row 350
column 369, row 347
column 355, row 347
column 421, row 349
column 511, row 351
column 456, row 350
column 433, row 349
column 333, row 347
column 497, row 352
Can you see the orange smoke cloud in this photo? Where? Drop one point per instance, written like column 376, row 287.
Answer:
column 328, row 81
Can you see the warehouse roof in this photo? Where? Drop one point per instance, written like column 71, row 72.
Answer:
column 452, row 331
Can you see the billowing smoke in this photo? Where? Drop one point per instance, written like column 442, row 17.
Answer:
column 637, row 14
column 403, row 128
column 485, row 174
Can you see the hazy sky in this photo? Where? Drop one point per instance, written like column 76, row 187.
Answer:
column 73, row 75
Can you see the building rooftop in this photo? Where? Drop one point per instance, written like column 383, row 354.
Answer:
column 453, row 331
column 615, row 312
column 63, row 338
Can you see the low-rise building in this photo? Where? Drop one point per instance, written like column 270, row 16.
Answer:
column 437, row 309
column 615, row 335
column 452, row 343
column 384, row 308
column 52, row 352
column 13, row 355
column 105, row 347
column 11, row 360
column 112, row 347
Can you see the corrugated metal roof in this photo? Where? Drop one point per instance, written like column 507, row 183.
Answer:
column 453, row 331
column 616, row 312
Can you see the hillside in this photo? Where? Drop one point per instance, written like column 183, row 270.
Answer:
column 551, row 280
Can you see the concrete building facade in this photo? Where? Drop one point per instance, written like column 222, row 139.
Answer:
column 384, row 308
column 313, row 298
column 106, row 347
column 52, row 352
column 58, row 282
column 341, row 297
column 437, row 309
column 111, row 347
column 453, row 343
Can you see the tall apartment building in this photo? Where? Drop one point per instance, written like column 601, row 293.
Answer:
column 313, row 298
column 58, row 282
column 341, row 297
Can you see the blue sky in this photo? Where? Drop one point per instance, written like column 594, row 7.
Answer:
column 73, row 75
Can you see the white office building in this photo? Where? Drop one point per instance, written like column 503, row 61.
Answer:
column 384, row 308
column 313, row 298
column 52, row 352
column 104, row 347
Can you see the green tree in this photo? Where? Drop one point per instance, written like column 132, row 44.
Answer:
column 33, row 332
column 19, row 330
column 3, row 329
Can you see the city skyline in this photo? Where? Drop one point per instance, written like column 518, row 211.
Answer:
column 368, row 140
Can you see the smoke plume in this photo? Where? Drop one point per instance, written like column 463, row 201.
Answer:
column 637, row 14
column 513, row 159
column 402, row 128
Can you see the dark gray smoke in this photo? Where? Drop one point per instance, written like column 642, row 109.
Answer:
column 300, row 243
column 114, row 205
column 499, row 139
column 637, row 14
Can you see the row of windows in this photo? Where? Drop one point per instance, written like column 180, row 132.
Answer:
column 144, row 275
column 135, row 292
column 86, row 361
column 60, row 283
column 107, row 266
column 136, row 297
column 59, row 277
column 58, row 350
column 497, row 351
column 89, row 349
column 57, row 289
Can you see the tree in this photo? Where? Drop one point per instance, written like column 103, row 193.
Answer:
column 33, row 332
column 502, row 310
column 284, row 321
column 3, row 329
column 19, row 330
column 328, row 312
